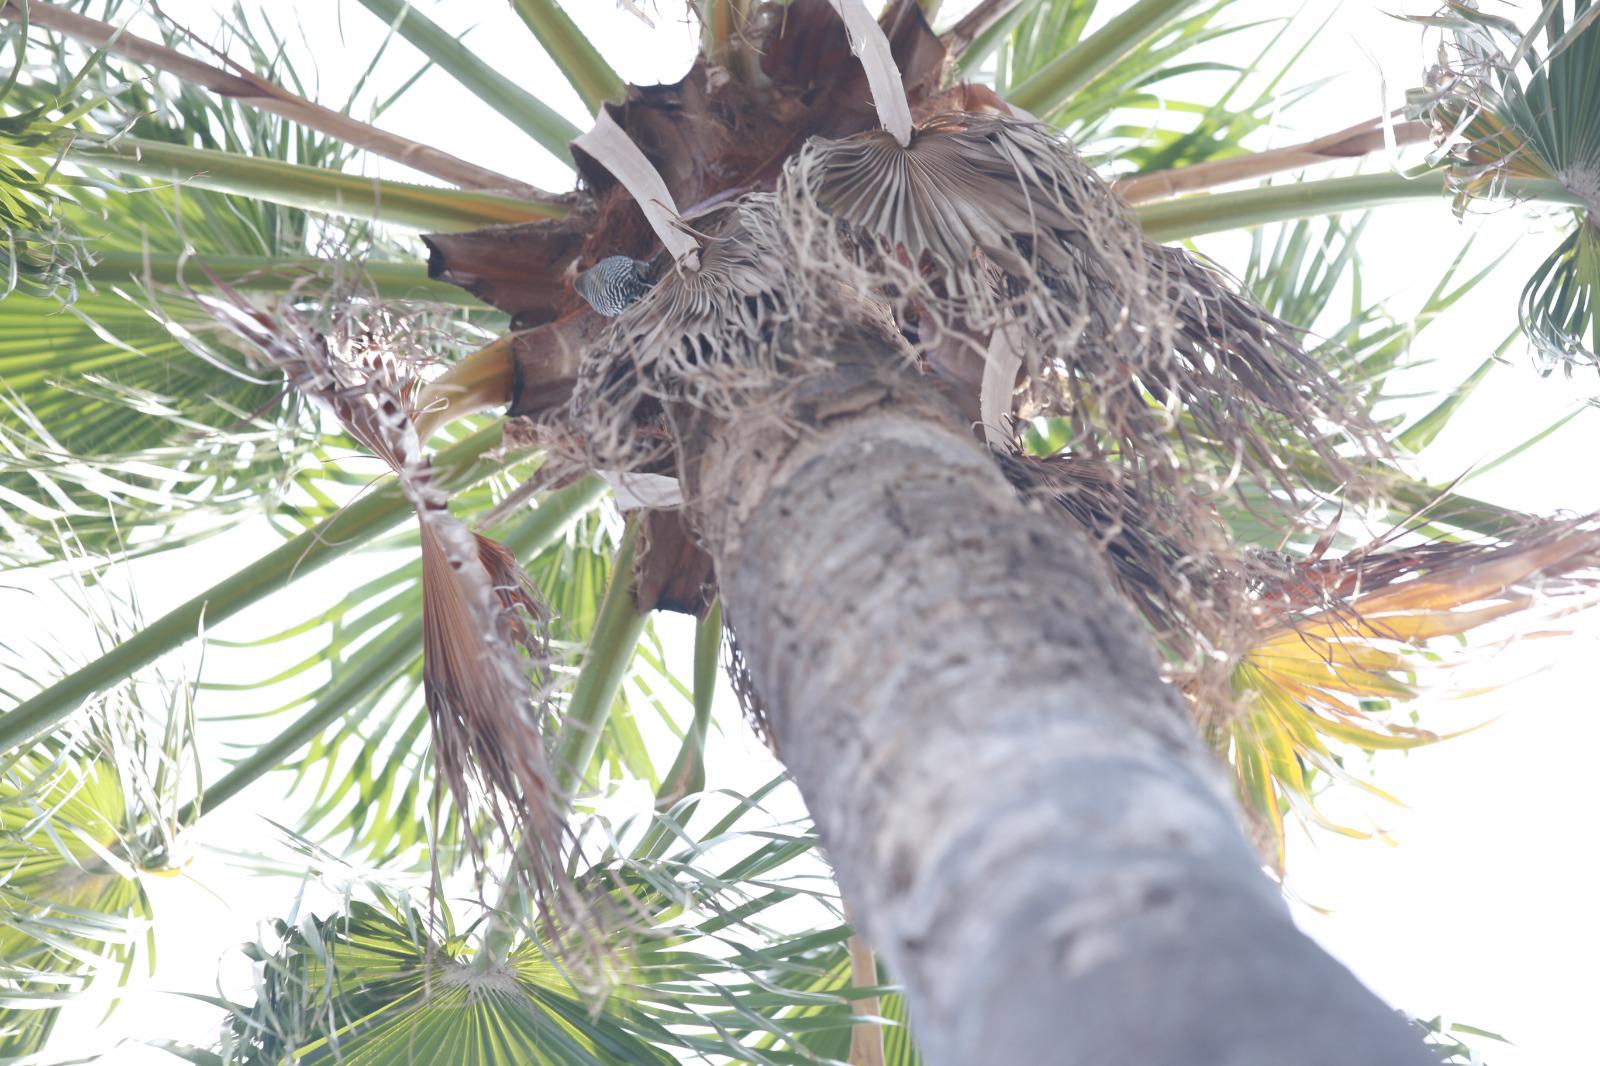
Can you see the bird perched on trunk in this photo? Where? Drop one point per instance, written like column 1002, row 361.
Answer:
column 613, row 284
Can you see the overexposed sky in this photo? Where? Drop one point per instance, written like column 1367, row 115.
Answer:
column 1481, row 909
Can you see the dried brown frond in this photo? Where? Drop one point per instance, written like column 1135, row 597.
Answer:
column 702, row 339
column 485, row 660
column 523, row 269
column 1334, row 633
column 986, row 222
column 1412, row 593
column 482, row 636
column 975, row 22
column 1182, row 574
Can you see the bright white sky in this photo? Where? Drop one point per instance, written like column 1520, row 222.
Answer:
column 1482, row 911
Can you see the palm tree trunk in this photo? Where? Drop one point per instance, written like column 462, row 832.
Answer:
column 1021, row 817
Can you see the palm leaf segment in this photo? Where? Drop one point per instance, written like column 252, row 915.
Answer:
column 76, row 835
column 113, row 392
column 37, row 255
column 1506, row 105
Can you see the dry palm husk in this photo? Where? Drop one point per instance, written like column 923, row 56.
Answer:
column 988, row 223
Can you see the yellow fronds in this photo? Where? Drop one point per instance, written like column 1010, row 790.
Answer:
column 1331, row 676
column 480, row 381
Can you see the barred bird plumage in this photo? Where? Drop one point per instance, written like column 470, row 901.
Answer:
column 613, row 284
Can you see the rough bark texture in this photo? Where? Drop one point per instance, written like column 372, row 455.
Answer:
column 1017, row 809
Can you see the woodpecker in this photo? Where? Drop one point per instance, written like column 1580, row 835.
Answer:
column 612, row 284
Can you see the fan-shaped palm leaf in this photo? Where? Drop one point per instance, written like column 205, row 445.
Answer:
column 382, row 983
column 694, row 970
column 37, row 254
column 119, row 393
column 1503, row 108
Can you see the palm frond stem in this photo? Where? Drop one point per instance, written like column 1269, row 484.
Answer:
column 958, row 38
column 871, row 47
column 419, row 207
column 585, row 69
column 1353, row 142
column 262, row 273
column 375, row 668
column 259, row 93
column 529, row 114
column 727, row 39
column 1075, row 68
column 1194, row 216
column 687, row 777
column 616, row 633
column 1407, row 497
column 866, row 1038
column 613, row 149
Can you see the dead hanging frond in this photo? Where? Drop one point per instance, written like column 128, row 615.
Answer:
column 702, row 339
column 486, row 665
column 985, row 223
column 1505, row 105
column 1343, row 640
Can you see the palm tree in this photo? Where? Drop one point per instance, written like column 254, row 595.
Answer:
column 1017, row 516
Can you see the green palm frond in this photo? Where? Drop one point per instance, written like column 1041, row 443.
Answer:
column 38, row 254
column 572, row 52
column 71, row 903
column 1505, row 108
column 1162, row 96
column 823, row 1029
column 1297, row 276
column 123, row 392
column 84, row 816
column 1449, row 1040
column 116, row 395
column 696, row 969
column 383, row 983
column 347, row 528
column 1169, row 132
column 118, row 419
column 1560, row 306
column 1056, row 61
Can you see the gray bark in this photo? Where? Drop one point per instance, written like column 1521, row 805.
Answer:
column 1019, row 813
